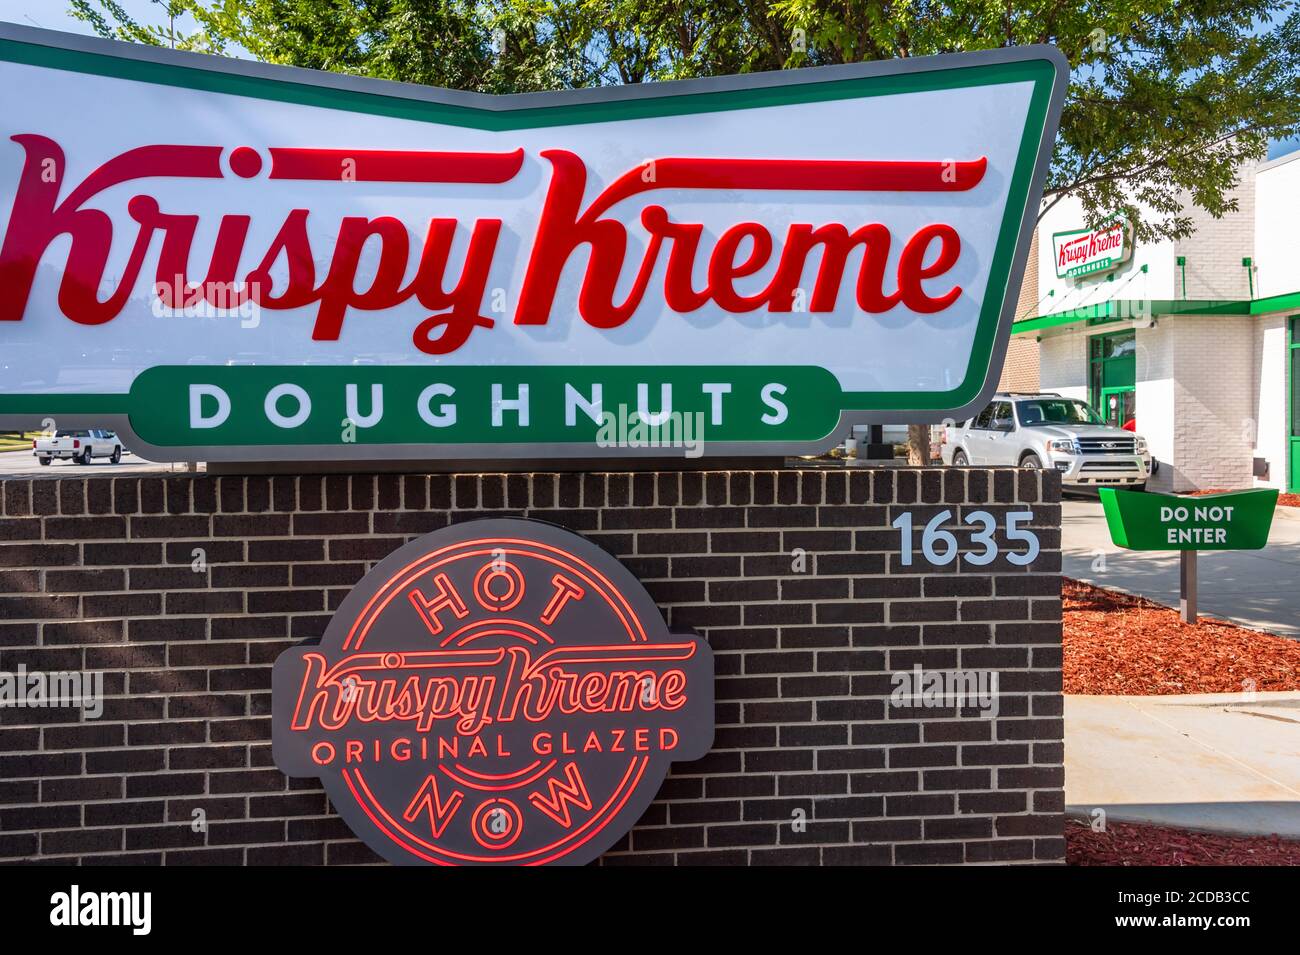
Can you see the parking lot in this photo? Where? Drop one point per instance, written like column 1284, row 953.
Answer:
column 14, row 464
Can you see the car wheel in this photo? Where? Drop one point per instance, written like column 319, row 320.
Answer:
column 1031, row 461
column 85, row 457
column 45, row 462
column 1138, row 487
column 117, row 455
column 959, row 459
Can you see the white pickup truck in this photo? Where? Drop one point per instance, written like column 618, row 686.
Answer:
column 79, row 446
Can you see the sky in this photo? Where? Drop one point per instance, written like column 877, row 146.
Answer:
column 53, row 15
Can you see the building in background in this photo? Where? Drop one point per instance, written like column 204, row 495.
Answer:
column 1020, row 370
column 1193, row 343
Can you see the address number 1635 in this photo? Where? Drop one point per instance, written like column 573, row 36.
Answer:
column 939, row 546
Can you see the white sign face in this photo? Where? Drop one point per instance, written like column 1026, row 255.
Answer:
column 228, row 260
column 1088, row 251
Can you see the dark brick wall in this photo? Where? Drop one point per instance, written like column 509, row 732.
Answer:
column 96, row 574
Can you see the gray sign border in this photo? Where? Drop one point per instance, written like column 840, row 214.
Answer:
column 506, row 452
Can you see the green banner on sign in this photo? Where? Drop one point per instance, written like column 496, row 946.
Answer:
column 602, row 406
column 1233, row 520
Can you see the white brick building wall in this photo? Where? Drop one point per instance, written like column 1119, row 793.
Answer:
column 1063, row 362
column 1215, row 250
column 1020, row 370
column 1214, row 412
column 1149, row 273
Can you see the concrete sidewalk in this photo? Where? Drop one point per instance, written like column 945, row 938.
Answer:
column 1259, row 589
column 1222, row 762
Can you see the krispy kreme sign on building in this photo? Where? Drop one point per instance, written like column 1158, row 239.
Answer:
column 227, row 260
column 1088, row 251
column 500, row 692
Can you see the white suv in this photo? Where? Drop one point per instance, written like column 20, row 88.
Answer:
column 1049, row 431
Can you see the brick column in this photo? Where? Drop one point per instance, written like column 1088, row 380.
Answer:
column 182, row 590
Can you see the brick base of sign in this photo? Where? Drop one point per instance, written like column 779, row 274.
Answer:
column 182, row 590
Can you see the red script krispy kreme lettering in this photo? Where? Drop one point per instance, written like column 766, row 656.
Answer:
column 497, row 692
column 1091, row 245
column 39, row 217
column 1085, row 252
column 45, row 210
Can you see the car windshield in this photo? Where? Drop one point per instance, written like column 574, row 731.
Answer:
column 1056, row 411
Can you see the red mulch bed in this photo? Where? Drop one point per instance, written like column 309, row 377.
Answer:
column 1116, row 644
column 1126, row 844
column 1285, row 499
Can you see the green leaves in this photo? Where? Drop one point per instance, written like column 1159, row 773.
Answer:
column 1165, row 109
column 1168, row 97
column 110, row 20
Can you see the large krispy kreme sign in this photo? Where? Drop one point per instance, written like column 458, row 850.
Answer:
column 500, row 692
column 298, row 265
column 1089, row 251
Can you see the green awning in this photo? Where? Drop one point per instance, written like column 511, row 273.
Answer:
column 1118, row 309
column 1275, row 303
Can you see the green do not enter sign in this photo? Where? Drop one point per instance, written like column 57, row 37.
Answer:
column 1231, row 520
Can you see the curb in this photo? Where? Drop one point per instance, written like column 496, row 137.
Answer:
column 1134, row 815
column 1258, row 698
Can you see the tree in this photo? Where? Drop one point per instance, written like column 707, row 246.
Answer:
column 1167, row 98
column 109, row 19
column 515, row 46
column 918, row 445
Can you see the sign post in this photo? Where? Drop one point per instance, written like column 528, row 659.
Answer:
column 1187, row 585
column 1233, row 520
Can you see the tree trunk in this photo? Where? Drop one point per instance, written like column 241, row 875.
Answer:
column 918, row 445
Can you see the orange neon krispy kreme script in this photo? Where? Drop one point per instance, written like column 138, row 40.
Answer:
column 497, row 692
column 475, row 688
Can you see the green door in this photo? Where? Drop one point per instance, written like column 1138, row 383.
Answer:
column 1293, row 373
column 1112, row 376
column 1118, row 406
